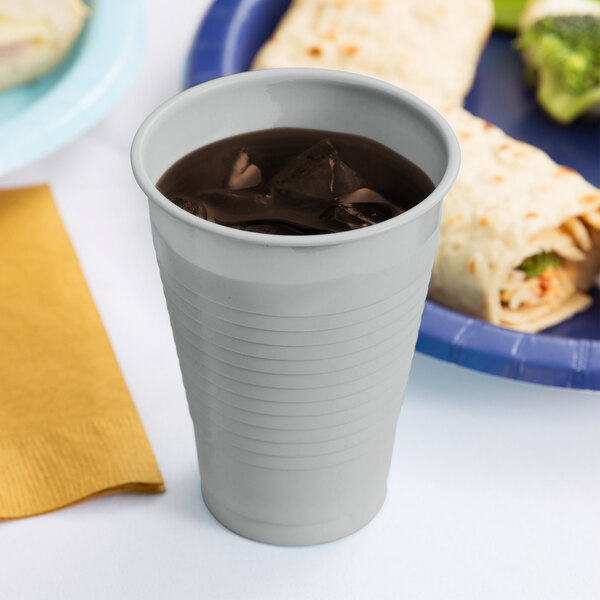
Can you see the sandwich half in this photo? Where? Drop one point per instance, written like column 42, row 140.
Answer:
column 35, row 35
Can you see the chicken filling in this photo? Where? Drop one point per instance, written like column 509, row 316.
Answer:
column 551, row 277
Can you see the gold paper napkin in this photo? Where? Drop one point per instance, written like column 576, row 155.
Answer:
column 69, row 430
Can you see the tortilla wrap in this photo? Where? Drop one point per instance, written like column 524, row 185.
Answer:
column 512, row 201
column 35, row 35
column 429, row 47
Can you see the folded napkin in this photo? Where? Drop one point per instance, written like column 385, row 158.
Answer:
column 69, row 430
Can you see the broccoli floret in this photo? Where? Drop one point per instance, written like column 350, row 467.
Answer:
column 564, row 52
column 535, row 265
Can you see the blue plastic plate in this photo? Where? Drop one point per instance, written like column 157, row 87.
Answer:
column 567, row 355
column 41, row 117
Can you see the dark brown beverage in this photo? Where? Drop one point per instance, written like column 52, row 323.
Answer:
column 295, row 182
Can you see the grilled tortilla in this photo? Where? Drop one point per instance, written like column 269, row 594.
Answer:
column 512, row 202
column 35, row 35
column 512, row 206
column 429, row 47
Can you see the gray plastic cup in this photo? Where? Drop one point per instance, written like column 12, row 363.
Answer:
column 295, row 350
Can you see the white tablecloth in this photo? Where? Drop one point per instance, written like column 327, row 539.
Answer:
column 494, row 489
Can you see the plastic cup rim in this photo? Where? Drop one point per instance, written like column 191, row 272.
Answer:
column 223, row 84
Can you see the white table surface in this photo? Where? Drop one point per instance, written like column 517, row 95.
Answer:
column 494, row 489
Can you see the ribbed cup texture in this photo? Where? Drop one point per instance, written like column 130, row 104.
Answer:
column 294, row 412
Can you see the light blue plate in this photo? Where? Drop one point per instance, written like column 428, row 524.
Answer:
column 41, row 117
